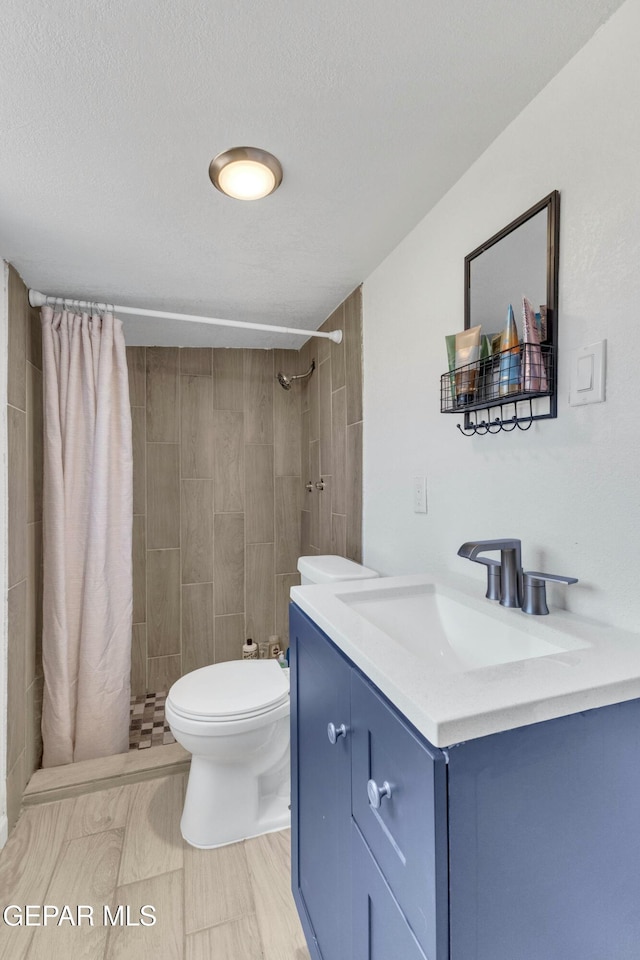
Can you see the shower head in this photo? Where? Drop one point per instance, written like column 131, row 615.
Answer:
column 286, row 382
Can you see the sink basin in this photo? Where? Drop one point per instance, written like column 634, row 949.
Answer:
column 432, row 624
column 459, row 666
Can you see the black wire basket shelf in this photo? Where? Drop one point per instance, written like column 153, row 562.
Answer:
column 502, row 381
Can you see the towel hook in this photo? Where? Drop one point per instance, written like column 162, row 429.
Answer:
column 528, row 420
column 469, row 430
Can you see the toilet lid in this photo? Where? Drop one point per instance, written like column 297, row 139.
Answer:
column 235, row 689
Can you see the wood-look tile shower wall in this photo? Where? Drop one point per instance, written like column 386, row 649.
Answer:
column 331, row 519
column 216, row 446
column 221, row 458
column 24, row 429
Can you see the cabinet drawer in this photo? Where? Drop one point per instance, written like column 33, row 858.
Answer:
column 407, row 832
column 380, row 929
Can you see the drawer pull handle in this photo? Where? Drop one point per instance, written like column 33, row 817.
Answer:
column 334, row 732
column 376, row 793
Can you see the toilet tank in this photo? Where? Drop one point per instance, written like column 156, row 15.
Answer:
column 332, row 569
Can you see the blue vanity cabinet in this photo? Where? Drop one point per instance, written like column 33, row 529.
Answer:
column 521, row 845
column 321, row 790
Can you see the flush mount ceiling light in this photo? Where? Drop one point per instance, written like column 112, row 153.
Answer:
column 245, row 173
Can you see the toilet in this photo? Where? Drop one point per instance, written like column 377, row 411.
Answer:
column 331, row 569
column 233, row 718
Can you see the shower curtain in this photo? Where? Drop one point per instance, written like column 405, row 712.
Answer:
column 87, row 514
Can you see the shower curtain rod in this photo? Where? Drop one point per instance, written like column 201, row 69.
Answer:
column 37, row 299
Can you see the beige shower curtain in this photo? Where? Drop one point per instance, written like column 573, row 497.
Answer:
column 88, row 490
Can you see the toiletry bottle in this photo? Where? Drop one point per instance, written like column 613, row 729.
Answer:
column 466, row 372
column 274, row 646
column 451, row 360
column 263, row 650
column 509, row 357
column 484, row 386
column 250, row 650
column 493, row 391
column 534, row 376
column 282, row 660
column 538, row 325
column 543, row 322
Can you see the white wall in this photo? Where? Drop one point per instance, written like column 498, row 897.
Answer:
column 569, row 488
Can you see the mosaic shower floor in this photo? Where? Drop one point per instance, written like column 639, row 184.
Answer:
column 147, row 726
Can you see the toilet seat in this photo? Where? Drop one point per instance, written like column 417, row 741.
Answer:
column 234, row 690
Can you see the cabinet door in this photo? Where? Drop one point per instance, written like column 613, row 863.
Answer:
column 407, row 831
column 380, row 929
column 321, row 790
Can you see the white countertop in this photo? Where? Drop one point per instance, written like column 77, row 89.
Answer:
column 600, row 666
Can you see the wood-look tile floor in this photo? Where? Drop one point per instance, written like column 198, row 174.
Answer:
column 122, row 846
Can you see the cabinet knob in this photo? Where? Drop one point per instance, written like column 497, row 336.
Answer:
column 376, row 793
column 334, row 732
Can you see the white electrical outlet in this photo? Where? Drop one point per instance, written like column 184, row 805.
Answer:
column 419, row 494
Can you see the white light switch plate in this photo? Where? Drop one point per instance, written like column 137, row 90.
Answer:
column 588, row 374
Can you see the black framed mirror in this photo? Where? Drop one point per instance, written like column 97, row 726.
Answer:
column 520, row 260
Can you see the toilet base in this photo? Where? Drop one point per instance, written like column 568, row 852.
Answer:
column 228, row 804
column 279, row 821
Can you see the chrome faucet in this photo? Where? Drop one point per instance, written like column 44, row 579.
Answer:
column 510, row 573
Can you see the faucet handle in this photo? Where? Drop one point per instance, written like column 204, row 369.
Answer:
column 549, row 576
column 535, row 592
column 494, row 576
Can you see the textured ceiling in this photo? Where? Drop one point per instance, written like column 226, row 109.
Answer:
column 111, row 111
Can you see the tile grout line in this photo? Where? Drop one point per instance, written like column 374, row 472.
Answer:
column 274, row 584
column 180, row 512
column 213, row 521
column 221, row 923
column 146, row 537
column 184, row 888
column 244, row 491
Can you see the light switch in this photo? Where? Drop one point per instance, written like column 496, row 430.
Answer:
column 588, row 374
column 584, row 379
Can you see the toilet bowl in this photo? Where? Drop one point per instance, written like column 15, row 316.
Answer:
column 233, row 717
